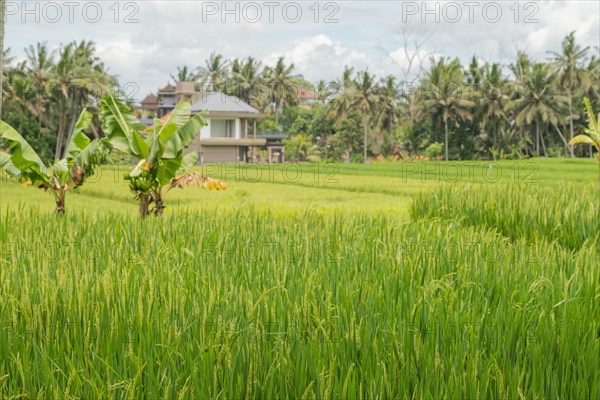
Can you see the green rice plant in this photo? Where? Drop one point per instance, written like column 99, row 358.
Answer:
column 24, row 165
column 251, row 304
column 567, row 213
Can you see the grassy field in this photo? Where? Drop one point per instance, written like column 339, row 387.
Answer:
column 424, row 280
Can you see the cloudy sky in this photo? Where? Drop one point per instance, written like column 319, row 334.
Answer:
column 142, row 42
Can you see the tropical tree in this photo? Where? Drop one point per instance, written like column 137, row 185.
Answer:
column 366, row 100
column 388, row 110
column 300, row 144
column 281, row 84
column 592, row 132
column 214, row 72
column 23, row 164
column 53, row 88
column 491, row 98
column 159, row 151
column 248, row 80
column 40, row 62
column 570, row 64
column 541, row 102
column 184, row 74
column 442, row 98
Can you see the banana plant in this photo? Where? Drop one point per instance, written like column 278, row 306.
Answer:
column 159, row 150
column 592, row 132
column 23, row 164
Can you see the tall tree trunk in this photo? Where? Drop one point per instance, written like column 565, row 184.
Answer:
column 524, row 139
column 571, row 114
column 2, row 13
column 365, row 122
column 543, row 145
column 568, row 147
column 446, row 138
column 69, row 132
column 537, row 137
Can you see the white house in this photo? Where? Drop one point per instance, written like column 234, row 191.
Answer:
column 225, row 137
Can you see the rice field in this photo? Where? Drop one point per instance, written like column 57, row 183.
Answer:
column 372, row 282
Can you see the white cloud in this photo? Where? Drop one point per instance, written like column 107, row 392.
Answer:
column 172, row 33
column 320, row 57
column 537, row 40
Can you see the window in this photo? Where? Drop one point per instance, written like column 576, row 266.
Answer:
column 222, row 128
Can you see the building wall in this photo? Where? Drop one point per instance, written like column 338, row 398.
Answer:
column 219, row 154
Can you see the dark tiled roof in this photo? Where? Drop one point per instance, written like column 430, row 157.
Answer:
column 150, row 101
column 168, row 89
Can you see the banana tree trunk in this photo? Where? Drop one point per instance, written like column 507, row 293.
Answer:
column 144, row 206
column 158, row 204
column 60, row 203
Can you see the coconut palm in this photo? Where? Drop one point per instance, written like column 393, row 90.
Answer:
column 491, row 98
column 570, row 65
column 442, row 97
column 541, row 102
column 388, row 110
column 77, row 78
column 40, row 62
column 365, row 101
column 282, row 85
column 215, row 71
column 248, row 80
column 184, row 74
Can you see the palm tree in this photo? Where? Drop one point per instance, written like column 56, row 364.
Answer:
column 282, row 85
column 215, row 71
column 77, row 78
column 341, row 105
column 570, row 64
column 541, row 102
column 593, row 70
column 7, row 59
column 388, row 104
column 441, row 97
column 301, row 144
column 365, row 101
column 248, row 79
column 40, row 62
column 184, row 74
column 521, row 69
column 491, row 100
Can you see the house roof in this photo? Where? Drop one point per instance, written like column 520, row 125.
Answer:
column 167, row 89
column 305, row 94
column 272, row 135
column 220, row 103
column 151, row 101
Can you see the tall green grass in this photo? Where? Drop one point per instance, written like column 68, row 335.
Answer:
column 250, row 304
column 568, row 214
